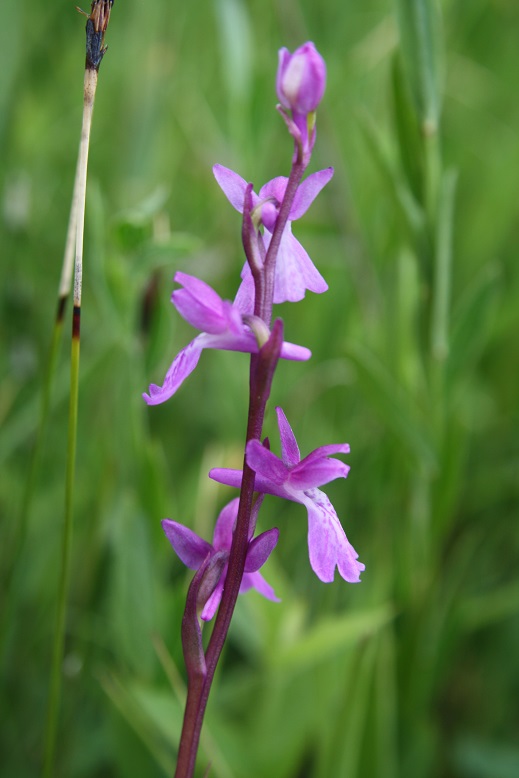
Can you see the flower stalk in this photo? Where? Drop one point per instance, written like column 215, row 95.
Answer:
column 262, row 370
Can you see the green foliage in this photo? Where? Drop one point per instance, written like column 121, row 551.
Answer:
column 415, row 364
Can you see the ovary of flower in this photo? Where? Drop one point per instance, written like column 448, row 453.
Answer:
column 295, row 271
column 297, row 479
column 193, row 551
column 222, row 328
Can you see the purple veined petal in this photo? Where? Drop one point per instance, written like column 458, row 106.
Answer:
column 308, row 190
column 188, row 546
column 295, row 271
column 289, row 448
column 275, row 188
column 265, row 463
column 199, row 305
column 181, row 367
column 307, row 475
column 260, row 549
column 328, row 545
column 214, row 600
column 257, row 581
column 229, row 477
column 232, row 185
column 224, row 526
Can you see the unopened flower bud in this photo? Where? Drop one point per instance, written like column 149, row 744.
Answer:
column 301, row 79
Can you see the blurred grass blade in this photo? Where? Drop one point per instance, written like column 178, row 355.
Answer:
column 405, row 205
column 144, row 719
column 353, row 719
column 328, row 637
column 51, row 726
column 471, row 320
column 396, row 407
column 235, row 46
column 442, row 269
column 50, row 369
column 410, row 141
column 131, row 598
column 420, row 30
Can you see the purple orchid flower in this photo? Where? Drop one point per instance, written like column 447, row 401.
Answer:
column 193, row 551
column 222, row 328
column 295, row 271
column 296, row 479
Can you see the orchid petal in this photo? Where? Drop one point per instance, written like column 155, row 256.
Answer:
column 284, row 57
column 308, row 190
column 294, row 352
column 326, row 451
column 230, row 477
column 191, row 549
column 318, row 472
column 199, row 304
column 181, row 367
column 328, row 545
column 224, row 527
column 275, row 188
column 257, row 581
column 295, row 271
column 289, row 447
column 245, row 295
column 265, row 463
column 214, row 600
column 260, row 549
column 232, row 185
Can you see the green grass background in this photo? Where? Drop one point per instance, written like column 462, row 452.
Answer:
column 414, row 672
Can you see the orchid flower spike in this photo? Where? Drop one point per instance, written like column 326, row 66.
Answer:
column 222, row 328
column 295, row 271
column 193, row 551
column 297, row 479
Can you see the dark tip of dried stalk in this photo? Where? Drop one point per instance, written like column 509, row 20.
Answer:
column 97, row 22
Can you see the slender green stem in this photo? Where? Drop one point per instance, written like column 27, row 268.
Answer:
column 442, row 269
column 433, row 171
column 59, row 630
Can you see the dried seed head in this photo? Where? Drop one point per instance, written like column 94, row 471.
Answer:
column 97, row 22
